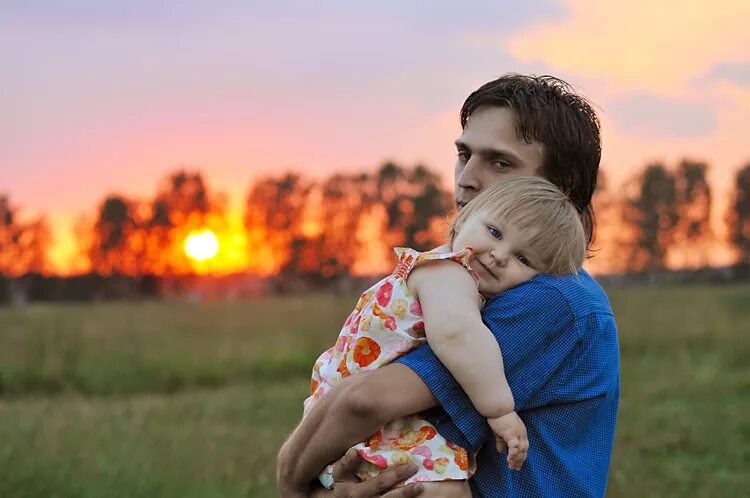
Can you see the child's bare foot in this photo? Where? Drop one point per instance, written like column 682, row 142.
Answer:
column 510, row 434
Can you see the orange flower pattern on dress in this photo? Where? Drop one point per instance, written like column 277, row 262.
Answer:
column 462, row 459
column 386, row 323
column 414, row 439
column 374, row 440
column 342, row 368
column 365, row 351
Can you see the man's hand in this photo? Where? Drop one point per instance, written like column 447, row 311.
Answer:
column 285, row 484
column 347, row 485
column 349, row 413
column 510, row 434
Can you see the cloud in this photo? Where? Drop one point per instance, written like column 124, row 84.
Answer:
column 735, row 72
column 640, row 43
column 657, row 116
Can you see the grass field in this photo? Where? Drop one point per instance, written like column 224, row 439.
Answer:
column 175, row 399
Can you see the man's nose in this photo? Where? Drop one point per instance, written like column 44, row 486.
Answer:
column 468, row 176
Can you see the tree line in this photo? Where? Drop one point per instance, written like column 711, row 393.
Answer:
column 319, row 230
column 662, row 217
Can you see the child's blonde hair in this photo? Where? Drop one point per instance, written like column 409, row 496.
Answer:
column 533, row 202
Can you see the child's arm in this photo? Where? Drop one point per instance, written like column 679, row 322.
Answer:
column 454, row 328
column 455, row 331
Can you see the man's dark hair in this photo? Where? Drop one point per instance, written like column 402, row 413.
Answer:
column 548, row 111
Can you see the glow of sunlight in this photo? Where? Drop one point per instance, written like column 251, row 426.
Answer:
column 201, row 245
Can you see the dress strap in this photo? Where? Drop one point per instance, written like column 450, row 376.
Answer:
column 462, row 257
column 409, row 258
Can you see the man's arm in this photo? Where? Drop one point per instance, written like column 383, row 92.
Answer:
column 351, row 412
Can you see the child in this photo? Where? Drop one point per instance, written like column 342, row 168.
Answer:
column 504, row 237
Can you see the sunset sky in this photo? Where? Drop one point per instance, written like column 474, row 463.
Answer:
column 101, row 97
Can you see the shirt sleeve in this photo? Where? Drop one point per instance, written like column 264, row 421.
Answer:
column 534, row 326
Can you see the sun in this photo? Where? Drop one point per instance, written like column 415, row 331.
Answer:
column 201, row 245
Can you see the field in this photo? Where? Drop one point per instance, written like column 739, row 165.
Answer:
column 165, row 399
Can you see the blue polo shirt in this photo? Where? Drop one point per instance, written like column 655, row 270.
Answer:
column 559, row 345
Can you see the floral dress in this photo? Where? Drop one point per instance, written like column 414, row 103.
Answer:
column 386, row 323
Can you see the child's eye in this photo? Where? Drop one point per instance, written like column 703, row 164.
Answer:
column 522, row 259
column 496, row 233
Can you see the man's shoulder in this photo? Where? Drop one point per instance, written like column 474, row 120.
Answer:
column 578, row 294
column 570, row 296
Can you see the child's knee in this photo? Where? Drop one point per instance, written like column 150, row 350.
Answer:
column 447, row 489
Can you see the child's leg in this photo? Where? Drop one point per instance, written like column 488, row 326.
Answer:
column 447, row 489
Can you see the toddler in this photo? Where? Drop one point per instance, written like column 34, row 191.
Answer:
column 502, row 238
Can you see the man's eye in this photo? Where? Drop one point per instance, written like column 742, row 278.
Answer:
column 496, row 233
column 463, row 155
column 500, row 164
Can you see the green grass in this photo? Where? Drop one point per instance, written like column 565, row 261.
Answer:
column 158, row 347
column 217, row 442
column 177, row 399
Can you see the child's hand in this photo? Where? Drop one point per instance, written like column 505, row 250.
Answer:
column 510, row 434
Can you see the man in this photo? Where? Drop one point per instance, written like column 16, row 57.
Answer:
column 557, row 334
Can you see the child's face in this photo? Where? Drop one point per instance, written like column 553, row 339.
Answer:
column 502, row 256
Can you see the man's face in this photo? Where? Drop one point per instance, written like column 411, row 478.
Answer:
column 489, row 151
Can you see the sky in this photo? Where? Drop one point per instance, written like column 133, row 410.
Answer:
column 100, row 97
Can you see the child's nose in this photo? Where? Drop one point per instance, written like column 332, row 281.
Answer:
column 500, row 257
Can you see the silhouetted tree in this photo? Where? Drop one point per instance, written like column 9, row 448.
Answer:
column 181, row 195
column 23, row 245
column 138, row 238
column 318, row 231
column 111, row 248
column 183, row 203
column 693, row 232
column 276, row 211
column 23, row 248
column 652, row 215
column 608, row 251
column 344, row 200
column 739, row 215
column 412, row 199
